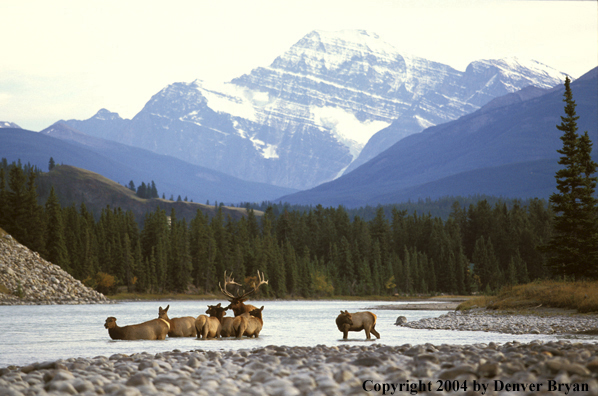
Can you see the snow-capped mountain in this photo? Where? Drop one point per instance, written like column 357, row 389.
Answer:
column 307, row 117
column 6, row 124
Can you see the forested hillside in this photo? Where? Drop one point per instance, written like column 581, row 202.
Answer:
column 319, row 252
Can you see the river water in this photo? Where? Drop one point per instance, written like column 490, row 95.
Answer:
column 38, row 333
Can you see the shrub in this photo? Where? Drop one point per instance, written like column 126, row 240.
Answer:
column 104, row 283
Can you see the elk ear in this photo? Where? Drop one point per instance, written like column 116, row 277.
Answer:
column 262, row 308
column 218, row 305
column 166, row 310
column 342, row 311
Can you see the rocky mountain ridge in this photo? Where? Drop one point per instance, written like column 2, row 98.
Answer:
column 307, row 117
column 507, row 148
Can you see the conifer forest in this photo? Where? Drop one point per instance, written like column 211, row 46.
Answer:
column 309, row 252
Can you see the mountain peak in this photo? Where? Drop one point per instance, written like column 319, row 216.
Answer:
column 335, row 49
column 537, row 74
column 347, row 35
column 106, row 115
column 6, row 124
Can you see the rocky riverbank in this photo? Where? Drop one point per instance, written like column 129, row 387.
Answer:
column 482, row 369
column 484, row 320
column 26, row 278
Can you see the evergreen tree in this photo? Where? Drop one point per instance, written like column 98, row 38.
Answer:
column 520, row 268
column 51, row 164
column 153, row 191
column 55, row 243
column 127, row 263
column 142, row 190
column 486, row 264
column 290, row 265
column 4, row 204
column 34, row 221
column 573, row 249
column 16, row 197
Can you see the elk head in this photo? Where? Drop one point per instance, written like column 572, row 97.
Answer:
column 344, row 318
column 216, row 310
column 237, row 302
column 110, row 322
column 163, row 313
column 257, row 312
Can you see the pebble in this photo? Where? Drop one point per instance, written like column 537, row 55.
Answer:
column 483, row 320
column 28, row 279
column 253, row 372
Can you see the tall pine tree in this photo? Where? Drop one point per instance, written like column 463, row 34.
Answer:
column 573, row 249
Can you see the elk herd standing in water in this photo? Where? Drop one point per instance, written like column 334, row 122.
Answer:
column 247, row 320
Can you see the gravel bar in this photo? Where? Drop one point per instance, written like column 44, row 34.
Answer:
column 555, row 367
column 484, row 320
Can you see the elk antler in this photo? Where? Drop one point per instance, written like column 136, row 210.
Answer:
column 243, row 294
column 261, row 280
column 228, row 280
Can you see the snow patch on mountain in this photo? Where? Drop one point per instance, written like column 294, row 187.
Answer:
column 268, row 151
column 232, row 99
column 346, row 127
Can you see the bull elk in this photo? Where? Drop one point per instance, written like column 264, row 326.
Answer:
column 179, row 327
column 357, row 321
column 237, row 302
column 155, row 329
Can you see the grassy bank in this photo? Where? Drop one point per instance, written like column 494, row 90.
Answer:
column 579, row 296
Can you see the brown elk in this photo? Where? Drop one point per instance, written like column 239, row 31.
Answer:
column 208, row 326
column 179, row 327
column 254, row 323
column 230, row 326
column 357, row 321
column 155, row 329
column 200, row 322
column 237, row 302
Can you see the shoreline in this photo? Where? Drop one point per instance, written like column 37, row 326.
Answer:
column 340, row 370
column 321, row 370
column 551, row 322
column 433, row 306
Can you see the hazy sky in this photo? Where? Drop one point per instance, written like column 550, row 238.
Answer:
column 68, row 59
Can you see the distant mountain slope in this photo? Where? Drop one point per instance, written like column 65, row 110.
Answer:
column 6, row 124
column 506, row 148
column 306, row 117
column 122, row 163
column 82, row 186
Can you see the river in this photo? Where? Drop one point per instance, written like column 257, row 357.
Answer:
column 38, row 333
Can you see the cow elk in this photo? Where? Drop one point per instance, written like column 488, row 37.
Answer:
column 237, row 302
column 200, row 322
column 155, row 329
column 179, row 327
column 254, row 323
column 357, row 321
column 208, row 326
column 229, row 325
